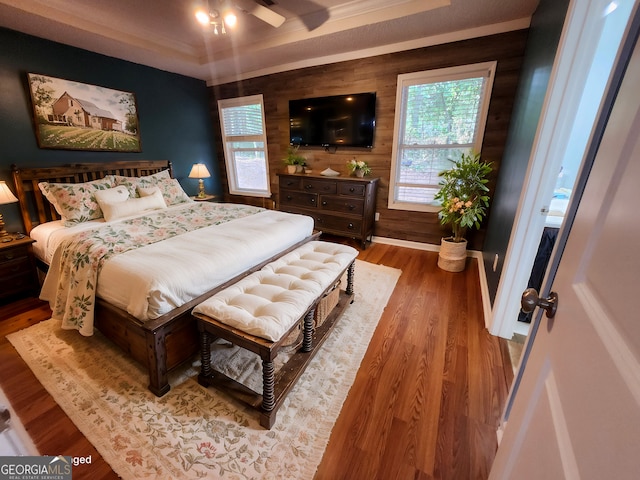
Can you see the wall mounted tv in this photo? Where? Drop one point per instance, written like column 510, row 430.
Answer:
column 336, row 121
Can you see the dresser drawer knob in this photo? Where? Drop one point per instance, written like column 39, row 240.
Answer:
column 352, row 189
column 313, row 200
column 350, row 206
column 308, row 186
column 15, row 269
column 289, row 197
column 350, row 226
column 324, row 202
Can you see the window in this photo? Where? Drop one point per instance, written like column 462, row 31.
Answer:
column 439, row 114
column 245, row 145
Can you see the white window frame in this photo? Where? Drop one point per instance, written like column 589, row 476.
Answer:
column 486, row 69
column 229, row 151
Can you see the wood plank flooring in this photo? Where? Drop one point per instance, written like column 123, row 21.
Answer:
column 425, row 404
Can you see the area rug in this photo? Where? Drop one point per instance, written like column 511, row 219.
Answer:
column 194, row 432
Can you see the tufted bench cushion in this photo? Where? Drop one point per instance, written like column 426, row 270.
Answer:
column 269, row 302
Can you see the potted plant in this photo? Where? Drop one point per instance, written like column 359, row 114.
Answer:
column 294, row 161
column 358, row 168
column 464, row 198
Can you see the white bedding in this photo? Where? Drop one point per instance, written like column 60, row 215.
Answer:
column 49, row 235
column 152, row 280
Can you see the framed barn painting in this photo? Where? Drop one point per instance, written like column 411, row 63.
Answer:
column 71, row 115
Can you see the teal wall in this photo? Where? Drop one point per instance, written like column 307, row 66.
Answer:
column 173, row 112
column 544, row 36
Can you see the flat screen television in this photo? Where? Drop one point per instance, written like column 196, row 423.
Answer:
column 335, row 121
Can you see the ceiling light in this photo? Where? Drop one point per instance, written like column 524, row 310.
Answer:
column 202, row 16
column 217, row 18
column 230, row 19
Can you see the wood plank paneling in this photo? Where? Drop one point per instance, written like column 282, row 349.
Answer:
column 379, row 74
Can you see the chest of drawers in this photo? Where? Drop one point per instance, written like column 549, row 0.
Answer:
column 17, row 269
column 342, row 206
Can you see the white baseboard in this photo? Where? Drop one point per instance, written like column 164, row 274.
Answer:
column 522, row 328
column 482, row 274
column 407, row 244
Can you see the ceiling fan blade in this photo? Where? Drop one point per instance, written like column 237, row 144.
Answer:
column 263, row 13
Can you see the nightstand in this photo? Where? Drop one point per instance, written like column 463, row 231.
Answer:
column 18, row 273
column 207, row 198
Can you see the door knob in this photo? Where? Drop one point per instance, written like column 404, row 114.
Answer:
column 530, row 301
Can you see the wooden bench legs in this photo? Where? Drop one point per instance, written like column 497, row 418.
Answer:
column 275, row 384
column 274, row 389
column 268, row 386
column 307, row 331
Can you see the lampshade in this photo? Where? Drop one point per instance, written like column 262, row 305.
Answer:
column 5, row 197
column 5, row 194
column 199, row 170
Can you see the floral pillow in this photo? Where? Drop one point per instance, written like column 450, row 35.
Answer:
column 132, row 183
column 76, row 202
column 172, row 191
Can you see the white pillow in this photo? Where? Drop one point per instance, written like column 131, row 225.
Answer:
column 112, row 195
column 148, row 191
column 133, row 206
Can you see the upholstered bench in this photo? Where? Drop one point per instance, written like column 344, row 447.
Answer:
column 262, row 310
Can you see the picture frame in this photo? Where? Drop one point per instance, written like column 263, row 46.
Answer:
column 71, row 115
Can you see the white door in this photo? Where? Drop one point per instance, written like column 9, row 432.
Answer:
column 591, row 36
column 576, row 411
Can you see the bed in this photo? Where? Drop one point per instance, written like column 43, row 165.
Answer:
column 155, row 328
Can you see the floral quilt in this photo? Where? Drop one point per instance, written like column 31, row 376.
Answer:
column 82, row 257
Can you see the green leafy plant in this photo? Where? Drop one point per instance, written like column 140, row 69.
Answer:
column 463, row 194
column 354, row 165
column 293, row 157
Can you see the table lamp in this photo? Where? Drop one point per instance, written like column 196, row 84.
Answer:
column 5, row 197
column 199, row 171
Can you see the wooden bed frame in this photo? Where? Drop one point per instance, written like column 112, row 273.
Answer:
column 161, row 344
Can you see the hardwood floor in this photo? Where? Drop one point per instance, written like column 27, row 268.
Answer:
column 425, row 404
column 52, row 432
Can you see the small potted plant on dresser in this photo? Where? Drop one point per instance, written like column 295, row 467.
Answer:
column 294, row 161
column 359, row 168
column 464, row 198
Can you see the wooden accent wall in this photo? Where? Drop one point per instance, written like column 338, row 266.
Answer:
column 379, row 74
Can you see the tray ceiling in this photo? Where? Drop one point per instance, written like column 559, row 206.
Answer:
column 164, row 34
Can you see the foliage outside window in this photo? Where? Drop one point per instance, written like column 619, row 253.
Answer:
column 245, row 145
column 440, row 115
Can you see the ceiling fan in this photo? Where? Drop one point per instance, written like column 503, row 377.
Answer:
column 221, row 13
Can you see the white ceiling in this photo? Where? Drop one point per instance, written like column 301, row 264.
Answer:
column 164, row 34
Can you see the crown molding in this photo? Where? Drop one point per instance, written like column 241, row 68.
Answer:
column 477, row 32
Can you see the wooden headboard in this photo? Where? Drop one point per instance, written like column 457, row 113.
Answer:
column 36, row 209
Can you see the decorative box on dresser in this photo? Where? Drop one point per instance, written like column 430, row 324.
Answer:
column 342, row 206
column 18, row 274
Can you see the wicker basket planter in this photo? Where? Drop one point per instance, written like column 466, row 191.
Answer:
column 453, row 255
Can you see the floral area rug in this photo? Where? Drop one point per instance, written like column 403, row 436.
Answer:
column 194, row 432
